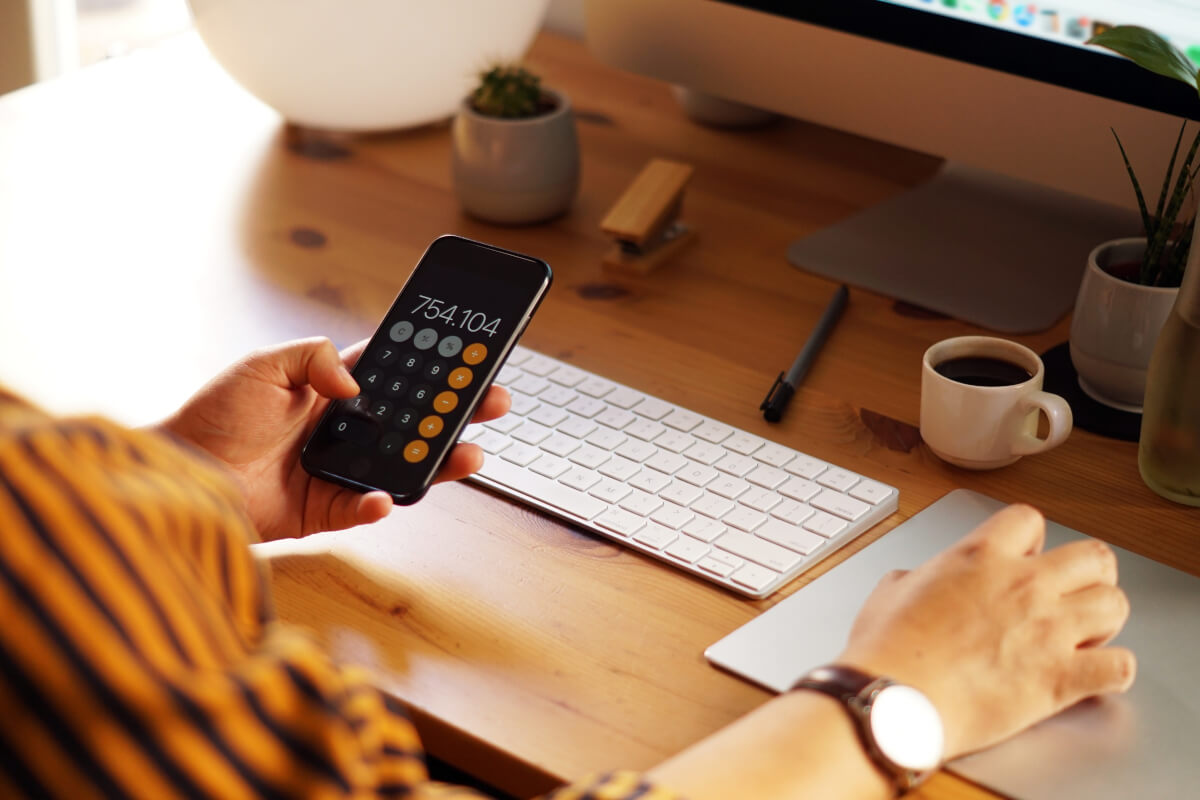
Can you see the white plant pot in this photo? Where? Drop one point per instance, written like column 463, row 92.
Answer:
column 516, row 171
column 363, row 65
column 1114, row 327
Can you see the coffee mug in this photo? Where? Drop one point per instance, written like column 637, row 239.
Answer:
column 980, row 401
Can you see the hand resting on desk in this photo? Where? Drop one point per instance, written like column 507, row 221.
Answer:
column 256, row 415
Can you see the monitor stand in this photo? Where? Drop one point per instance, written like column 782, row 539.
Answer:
column 994, row 251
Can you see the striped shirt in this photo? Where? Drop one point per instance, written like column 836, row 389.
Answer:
column 138, row 657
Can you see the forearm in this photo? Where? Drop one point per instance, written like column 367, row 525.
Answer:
column 798, row 745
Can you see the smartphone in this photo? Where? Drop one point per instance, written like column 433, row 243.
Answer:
column 426, row 368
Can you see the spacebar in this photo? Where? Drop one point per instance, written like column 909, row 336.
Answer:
column 543, row 489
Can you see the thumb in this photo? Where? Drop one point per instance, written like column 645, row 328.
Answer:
column 307, row 362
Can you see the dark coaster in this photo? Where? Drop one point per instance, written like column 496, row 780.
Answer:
column 1090, row 415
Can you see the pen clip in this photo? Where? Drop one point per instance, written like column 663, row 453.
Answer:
column 777, row 399
column 770, row 398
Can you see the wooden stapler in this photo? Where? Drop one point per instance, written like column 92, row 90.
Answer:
column 644, row 220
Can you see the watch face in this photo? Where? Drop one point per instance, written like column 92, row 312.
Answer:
column 907, row 728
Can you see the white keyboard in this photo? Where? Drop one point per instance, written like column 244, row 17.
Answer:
column 720, row 503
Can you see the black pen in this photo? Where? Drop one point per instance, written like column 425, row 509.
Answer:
column 785, row 385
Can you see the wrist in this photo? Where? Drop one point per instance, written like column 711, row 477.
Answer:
column 897, row 726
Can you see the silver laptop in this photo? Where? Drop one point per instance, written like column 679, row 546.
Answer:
column 1143, row 744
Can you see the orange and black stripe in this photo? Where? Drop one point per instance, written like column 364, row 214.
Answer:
column 137, row 653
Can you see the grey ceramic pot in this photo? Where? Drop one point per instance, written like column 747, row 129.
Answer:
column 516, row 171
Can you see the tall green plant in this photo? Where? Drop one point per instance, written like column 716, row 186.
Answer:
column 1168, row 238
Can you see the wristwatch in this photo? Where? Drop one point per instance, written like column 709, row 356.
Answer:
column 899, row 727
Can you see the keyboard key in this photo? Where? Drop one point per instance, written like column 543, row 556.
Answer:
column 522, row 403
column 653, row 408
column 760, row 499
column 672, row 516
column 636, row 450
column 713, row 432
column 649, row 480
column 680, row 493
column 618, row 468
column 550, row 466
column 519, row 355
column 799, row 489
column 521, row 454
column 790, row 536
column 806, row 466
column 589, row 456
column 743, row 443
column 719, row 563
column 825, row 524
column 595, row 387
column 656, row 536
column 567, row 376
column 621, row 522
column 754, row 577
column 546, row 415
column 577, row 427
column 624, row 398
column 644, row 429
column 674, row 441
column 547, row 491
column 791, row 511
column 641, row 503
column 611, row 491
column 704, row 529
column 839, row 504
column 531, row 433
column 667, row 462
column 687, row 549
column 728, row 487
column 586, row 407
column 746, row 519
column 767, row 477
column 558, row 396
column 836, row 478
column 736, row 465
column 697, row 474
column 471, row 432
column 508, row 374
column 712, row 505
column 506, row 424
column 615, row 417
column 531, row 385
column 705, row 453
column 774, row 454
column 580, row 478
column 561, row 445
column 540, row 366
column 682, row 420
column 493, row 442
column 759, row 551
column 607, row 439
column 870, row 491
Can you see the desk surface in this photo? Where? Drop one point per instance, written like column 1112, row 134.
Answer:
column 156, row 222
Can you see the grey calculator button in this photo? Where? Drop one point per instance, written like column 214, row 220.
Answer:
column 425, row 339
column 401, row 331
column 450, row 346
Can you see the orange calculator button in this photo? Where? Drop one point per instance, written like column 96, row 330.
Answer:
column 445, row 402
column 415, row 451
column 431, row 426
column 474, row 353
column 460, row 378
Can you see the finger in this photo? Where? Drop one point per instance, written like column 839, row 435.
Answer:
column 1098, row 671
column 1095, row 615
column 331, row 508
column 463, row 460
column 495, row 404
column 1078, row 565
column 1016, row 530
column 372, row 507
column 306, row 362
column 353, row 353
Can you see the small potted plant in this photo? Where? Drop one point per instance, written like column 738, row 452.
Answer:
column 515, row 152
column 1130, row 285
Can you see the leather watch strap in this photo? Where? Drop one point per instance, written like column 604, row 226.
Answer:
column 838, row 681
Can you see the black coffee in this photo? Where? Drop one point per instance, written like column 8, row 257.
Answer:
column 981, row 371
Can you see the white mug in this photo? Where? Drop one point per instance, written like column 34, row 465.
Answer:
column 984, row 427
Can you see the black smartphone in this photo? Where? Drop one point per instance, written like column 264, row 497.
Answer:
column 426, row 368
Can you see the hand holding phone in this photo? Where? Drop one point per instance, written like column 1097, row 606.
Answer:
column 426, row 368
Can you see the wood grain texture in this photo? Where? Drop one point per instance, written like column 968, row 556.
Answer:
column 156, row 222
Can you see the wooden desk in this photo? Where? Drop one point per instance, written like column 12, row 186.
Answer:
column 156, row 223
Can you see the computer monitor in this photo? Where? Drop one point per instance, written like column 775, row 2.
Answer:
column 1007, row 93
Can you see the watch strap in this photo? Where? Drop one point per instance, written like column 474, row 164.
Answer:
column 856, row 690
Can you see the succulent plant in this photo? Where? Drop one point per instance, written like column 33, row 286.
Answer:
column 509, row 91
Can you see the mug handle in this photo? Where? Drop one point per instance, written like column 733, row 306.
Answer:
column 1057, row 412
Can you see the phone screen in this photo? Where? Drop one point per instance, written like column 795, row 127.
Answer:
column 426, row 367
